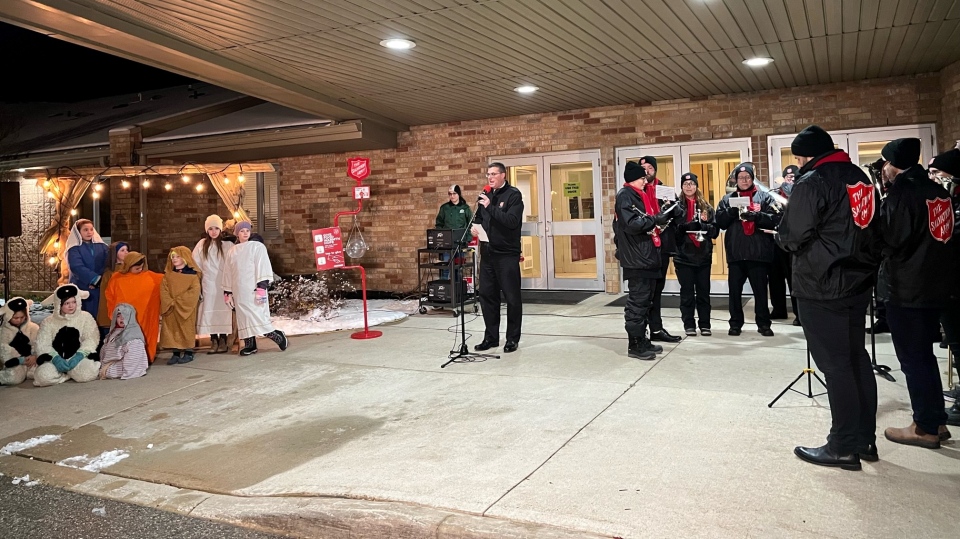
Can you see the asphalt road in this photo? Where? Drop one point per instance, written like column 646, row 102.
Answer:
column 45, row 512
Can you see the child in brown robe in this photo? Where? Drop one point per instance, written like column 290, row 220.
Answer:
column 179, row 299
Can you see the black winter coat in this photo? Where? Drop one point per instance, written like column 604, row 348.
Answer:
column 688, row 254
column 739, row 246
column 917, row 268
column 631, row 233
column 834, row 257
column 502, row 220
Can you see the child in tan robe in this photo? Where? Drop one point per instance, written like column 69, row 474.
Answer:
column 179, row 299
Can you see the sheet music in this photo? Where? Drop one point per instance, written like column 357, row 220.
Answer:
column 740, row 202
column 481, row 233
column 665, row 192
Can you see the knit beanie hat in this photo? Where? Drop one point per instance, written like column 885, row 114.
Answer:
column 745, row 167
column 633, row 172
column 948, row 162
column 902, row 153
column 689, row 177
column 456, row 189
column 241, row 225
column 812, row 142
column 649, row 160
column 213, row 221
column 791, row 169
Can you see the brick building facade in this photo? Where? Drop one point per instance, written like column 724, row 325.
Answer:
column 409, row 182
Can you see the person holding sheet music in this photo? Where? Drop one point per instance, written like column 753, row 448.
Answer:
column 748, row 217
column 694, row 259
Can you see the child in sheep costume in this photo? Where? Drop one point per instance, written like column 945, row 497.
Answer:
column 66, row 339
column 18, row 339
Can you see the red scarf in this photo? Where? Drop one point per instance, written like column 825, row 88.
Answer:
column 691, row 213
column 749, row 227
column 651, row 207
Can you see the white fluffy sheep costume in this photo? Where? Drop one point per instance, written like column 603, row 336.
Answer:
column 16, row 343
column 60, row 369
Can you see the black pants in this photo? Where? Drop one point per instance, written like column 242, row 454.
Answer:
column 950, row 321
column 835, row 338
column 781, row 276
column 738, row 274
column 636, row 313
column 913, row 332
column 656, row 320
column 500, row 273
column 694, row 292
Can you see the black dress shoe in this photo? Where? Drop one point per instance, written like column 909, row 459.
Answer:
column 511, row 346
column 824, row 456
column 869, row 453
column 734, row 332
column 766, row 332
column 796, row 322
column 663, row 336
column 485, row 345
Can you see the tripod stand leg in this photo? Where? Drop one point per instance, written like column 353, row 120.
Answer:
column 788, row 388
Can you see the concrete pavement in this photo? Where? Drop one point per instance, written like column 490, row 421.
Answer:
column 565, row 438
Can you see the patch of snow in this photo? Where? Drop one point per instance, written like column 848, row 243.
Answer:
column 32, row 483
column 18, row 480
column 16, row 447
column 349, row 316
column 149, row 446
column 102, row 511
column 97, row 463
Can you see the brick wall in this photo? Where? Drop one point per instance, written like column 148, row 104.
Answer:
column 948, row 129
column 409, row 183
column 29, row 268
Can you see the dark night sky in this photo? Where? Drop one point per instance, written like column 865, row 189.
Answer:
column 41, row 68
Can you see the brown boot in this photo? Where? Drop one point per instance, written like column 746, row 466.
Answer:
column 214, row 344
column 913, row 435
column 944, row 433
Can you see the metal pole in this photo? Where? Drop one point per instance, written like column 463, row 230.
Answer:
column 6, row 269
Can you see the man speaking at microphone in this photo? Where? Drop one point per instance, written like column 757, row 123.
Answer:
column 500, row 213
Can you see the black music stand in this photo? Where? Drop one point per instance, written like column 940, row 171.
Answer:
column 811, row 374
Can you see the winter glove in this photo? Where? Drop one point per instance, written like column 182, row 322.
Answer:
column 228, row 299
column 67, row 365
column 661, row 219
column 21, row 343
column 261, row 296
column 677, row 212
column 93, row 356
column 43, row 358
column 692, row 226
column 67, row 341
column 11, row 363
column 750, row 216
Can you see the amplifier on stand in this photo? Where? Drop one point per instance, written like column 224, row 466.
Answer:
column 444, row 238
column 442, row 291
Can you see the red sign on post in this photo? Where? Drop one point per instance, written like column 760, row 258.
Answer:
column 328, row 248
column 358, row 168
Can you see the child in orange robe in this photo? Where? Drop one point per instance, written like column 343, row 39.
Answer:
column 133, row 283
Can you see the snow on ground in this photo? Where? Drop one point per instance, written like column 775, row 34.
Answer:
column 97, row 463
column 350, row 316
column 16, row 447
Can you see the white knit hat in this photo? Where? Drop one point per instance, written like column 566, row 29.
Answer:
column 213, row 221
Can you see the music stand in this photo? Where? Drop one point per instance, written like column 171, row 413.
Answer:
column 881, row 370
column 463, row 354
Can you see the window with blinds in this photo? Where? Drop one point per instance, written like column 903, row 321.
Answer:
column 262, row 204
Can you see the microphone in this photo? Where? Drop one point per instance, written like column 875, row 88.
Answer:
column 486, row 191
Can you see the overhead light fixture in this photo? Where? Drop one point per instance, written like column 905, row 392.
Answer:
column 398, row 44
column 21, row 170
column 758, row 61
column 526, row 89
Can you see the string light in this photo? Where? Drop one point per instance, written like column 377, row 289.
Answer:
column 98, row 187
column 185, row 178
column 56, row 244
column 49, row 194
column 52, row 261
column 199, row 187
column 236, row 215
column 241, row 178
column 167, row 186
column 73, row 212
column 95, row 195
column 125, row 184
column 46, row 184
column 226, row 180
column 146, row 184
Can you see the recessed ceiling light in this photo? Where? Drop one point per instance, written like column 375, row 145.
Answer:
column 759, row 61
column 398, row 44
column 526, row 89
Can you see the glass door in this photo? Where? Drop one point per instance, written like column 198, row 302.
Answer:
column 561, row 233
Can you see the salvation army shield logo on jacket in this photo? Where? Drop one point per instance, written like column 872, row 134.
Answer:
column 940, row 213
column 863, row 204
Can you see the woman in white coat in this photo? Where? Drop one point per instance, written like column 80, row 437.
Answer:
column 246, row 274
column 215, row 318
column 66, row 339
column 18, row 339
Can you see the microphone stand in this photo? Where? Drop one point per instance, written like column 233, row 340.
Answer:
column 881, row 370
column 463, row 354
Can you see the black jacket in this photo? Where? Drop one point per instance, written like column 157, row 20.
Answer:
column 740, row 247
column 688, row 253
column 502, row 220
column 631, row 232
column 834, row 257
column 916, row 266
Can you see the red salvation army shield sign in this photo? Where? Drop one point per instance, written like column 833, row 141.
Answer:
column 358, row 168
column 863, row 204
column 940, row 213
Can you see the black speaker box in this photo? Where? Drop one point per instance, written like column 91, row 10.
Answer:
column 10, row 218
column 443, row 291
column 442, row 238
